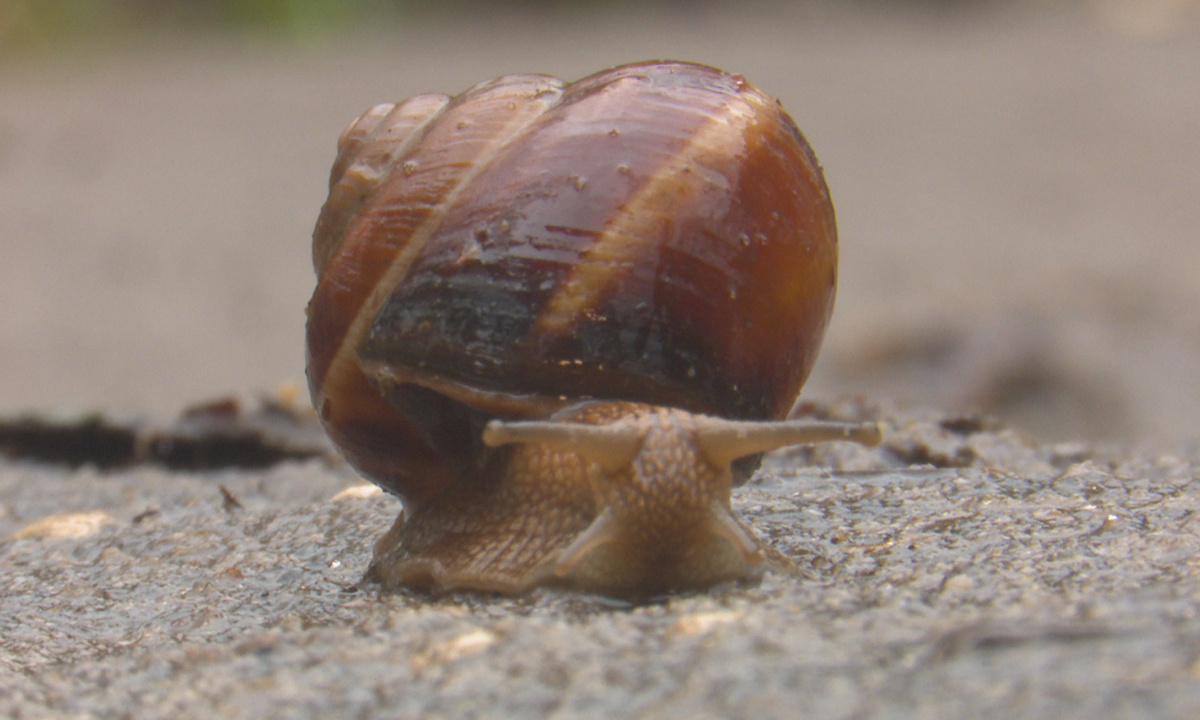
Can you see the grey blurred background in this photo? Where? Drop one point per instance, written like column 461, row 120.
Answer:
column 1017, row 185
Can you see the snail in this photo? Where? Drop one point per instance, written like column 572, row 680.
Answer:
column 550, row 317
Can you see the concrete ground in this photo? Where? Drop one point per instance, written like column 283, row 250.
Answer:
column 962, row 570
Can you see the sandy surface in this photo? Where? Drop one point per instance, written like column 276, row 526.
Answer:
column 1018, row 197
column 959, row 571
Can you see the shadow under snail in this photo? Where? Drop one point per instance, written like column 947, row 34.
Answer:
column 551, row 316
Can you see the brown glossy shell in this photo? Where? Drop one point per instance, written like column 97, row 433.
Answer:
column 658, row 232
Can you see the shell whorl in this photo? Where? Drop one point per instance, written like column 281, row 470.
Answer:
column 655, row 233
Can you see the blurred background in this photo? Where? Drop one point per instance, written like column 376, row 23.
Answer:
column 1017, row 185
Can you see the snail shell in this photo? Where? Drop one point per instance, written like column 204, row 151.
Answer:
column 626, row 254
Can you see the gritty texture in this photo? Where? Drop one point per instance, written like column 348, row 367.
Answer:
column 960, row 570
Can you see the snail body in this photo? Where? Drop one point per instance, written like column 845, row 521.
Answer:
column 532, row 300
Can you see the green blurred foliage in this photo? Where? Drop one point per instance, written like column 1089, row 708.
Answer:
column 35, row 23
column 26, row 24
